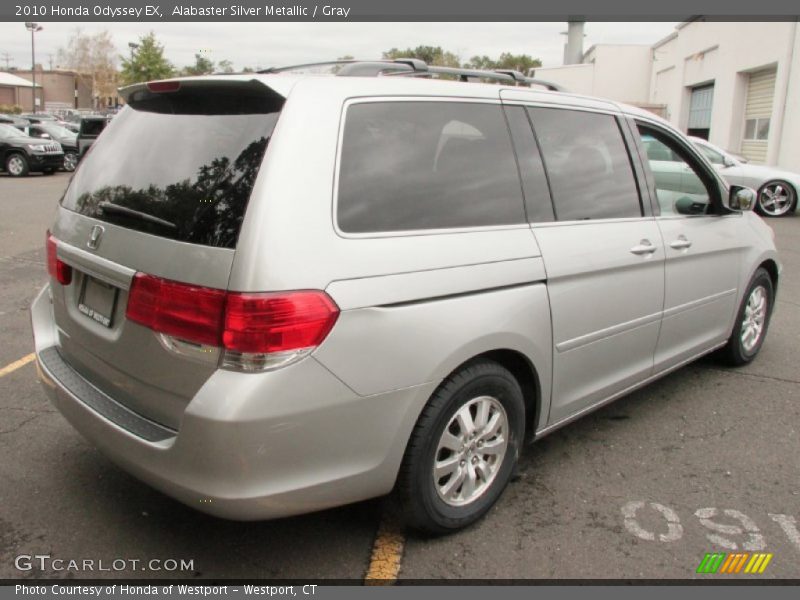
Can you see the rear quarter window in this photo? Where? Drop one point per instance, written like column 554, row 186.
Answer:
column 426, row 165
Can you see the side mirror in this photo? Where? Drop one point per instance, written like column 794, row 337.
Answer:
column 727, row 162
column 741, row 198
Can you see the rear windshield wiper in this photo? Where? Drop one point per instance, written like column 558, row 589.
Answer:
column 108, row 207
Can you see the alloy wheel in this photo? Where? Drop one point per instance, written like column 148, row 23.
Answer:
column 70, row 161
column 776, row 199
column 15, row 165
column 471, row 451
column 755, row 316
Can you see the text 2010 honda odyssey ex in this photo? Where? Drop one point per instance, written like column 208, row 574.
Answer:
column 272, row 294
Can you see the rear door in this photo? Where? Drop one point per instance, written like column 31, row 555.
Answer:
column 604, row 259
column 163, row 192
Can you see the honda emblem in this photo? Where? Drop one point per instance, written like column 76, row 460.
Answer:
column 94, row 237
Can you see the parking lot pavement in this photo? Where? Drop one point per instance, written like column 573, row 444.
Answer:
column 703, row 450
column 637, row 489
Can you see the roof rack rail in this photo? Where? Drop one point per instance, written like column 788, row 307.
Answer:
column 414, row 67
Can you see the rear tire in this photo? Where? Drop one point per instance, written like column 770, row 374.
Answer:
column 752, row 321
column 17, row 165
column 463, row 449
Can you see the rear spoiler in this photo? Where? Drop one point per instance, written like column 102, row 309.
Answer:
column 277, row 85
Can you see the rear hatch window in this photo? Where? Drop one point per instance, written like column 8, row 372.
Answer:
column 179, row 163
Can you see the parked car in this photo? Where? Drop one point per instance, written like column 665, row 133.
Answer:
column 38, row 117
column 777, row 189
column 90, row 127
column 13, row 120
column 272, row 294
column 72, row 126
column 67, row 139
column 21, row 154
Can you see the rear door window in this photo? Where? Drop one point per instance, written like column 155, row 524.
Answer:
column 588, row 164
column 427, row 165
column 179, row 165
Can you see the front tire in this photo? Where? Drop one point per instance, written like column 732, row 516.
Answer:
column 752, row 321
column 463, row 449
column 776, row 199
column 17, row 165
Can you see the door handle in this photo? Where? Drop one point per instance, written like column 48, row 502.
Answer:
column 681, row 243
column 643, row 247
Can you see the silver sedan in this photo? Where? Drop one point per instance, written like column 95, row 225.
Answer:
column 777, row 189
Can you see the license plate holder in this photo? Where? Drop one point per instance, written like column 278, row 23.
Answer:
column 98, row 300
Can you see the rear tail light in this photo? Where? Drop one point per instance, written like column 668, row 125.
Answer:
column 264, row 323
column 59, row 270
column 187, row 312
column 256, row 331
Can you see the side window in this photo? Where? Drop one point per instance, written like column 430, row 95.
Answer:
column 712, row 155
column 681, row 186
column 538, row 204
column 427, row 165
column 587, row 163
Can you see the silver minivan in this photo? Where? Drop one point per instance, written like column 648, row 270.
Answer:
column 276, row 293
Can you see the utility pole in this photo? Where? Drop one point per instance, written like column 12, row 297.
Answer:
column 33, row 28
column 7, row 59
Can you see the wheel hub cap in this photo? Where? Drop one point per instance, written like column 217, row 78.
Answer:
column 755, row 315
column 15, row 166
column 776, row 199
column 470, row 451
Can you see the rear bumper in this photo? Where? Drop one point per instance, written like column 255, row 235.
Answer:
column 250, row 446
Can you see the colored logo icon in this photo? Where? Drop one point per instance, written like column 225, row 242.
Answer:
column 735, row 562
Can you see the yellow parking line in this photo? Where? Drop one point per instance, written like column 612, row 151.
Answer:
column 387, row 553
column 17, row 364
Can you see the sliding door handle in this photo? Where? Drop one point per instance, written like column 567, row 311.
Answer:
column 681, row 243
column 643, row 247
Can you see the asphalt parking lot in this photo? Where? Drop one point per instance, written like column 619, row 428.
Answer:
column 704, row 460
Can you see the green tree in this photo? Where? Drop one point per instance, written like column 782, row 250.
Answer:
column 433, row 55
column 480, row 62
column 515, row 62
column 201, row 66
column 146, row 62
column 225, row 66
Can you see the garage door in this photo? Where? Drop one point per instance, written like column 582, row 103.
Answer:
column 700, row 111
column 758, row 109
column 6, row 95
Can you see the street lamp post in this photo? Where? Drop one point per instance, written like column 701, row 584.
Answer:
column 33, row 28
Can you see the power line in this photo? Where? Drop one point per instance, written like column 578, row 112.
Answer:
column 6, row 57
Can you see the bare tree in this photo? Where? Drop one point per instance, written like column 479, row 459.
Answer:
column 94, row 58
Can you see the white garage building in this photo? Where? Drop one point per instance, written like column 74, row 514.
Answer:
column 736, row 84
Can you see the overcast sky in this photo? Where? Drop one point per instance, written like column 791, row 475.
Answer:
column 269, row 44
